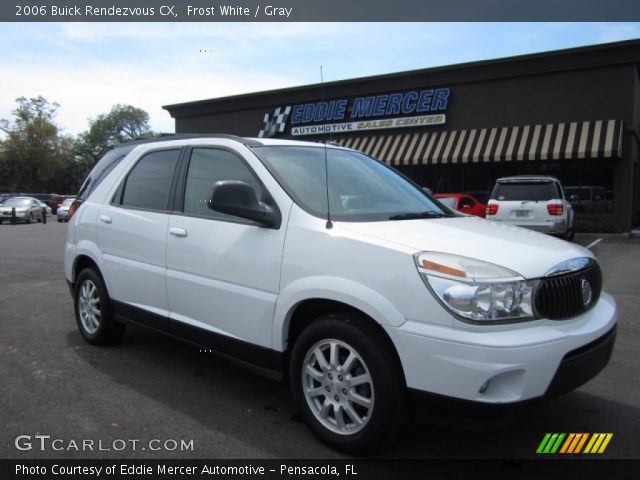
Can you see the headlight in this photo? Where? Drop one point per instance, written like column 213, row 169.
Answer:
column 476, row 290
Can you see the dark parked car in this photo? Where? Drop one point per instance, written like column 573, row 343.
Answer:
column 588, row 199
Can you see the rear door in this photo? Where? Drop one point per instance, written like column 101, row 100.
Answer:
column 132, row 232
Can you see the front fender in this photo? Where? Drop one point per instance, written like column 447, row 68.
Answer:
column 337, row 289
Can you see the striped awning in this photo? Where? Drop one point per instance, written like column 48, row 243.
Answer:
column 553, row 141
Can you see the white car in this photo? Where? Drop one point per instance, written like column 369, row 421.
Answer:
column 63, row 209
column 359, row 298
column 531, row 201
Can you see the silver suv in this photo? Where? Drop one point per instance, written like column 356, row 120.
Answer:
column 535, row 202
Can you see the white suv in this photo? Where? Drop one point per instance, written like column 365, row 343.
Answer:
column 535, row 202
column 360, row 290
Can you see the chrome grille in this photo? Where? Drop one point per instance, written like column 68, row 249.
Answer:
column 562, row 296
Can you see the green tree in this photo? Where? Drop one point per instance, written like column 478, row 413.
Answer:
column 31, row 150
column 122, row 124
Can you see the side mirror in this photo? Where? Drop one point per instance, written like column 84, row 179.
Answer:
column 597, row 198
column 239, row 199
column 574, row 198
column 427, row 190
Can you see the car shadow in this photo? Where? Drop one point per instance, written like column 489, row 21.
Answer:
column 231, row 404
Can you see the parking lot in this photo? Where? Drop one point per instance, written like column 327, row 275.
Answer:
column 150, row 387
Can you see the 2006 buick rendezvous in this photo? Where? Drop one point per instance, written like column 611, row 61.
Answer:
column 226, row 243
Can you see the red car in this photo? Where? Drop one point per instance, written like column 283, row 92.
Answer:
column 462, row 202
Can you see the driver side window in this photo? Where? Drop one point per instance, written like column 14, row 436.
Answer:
column 208, row 166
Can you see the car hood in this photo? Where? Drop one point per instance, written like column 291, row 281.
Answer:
column 529, row 253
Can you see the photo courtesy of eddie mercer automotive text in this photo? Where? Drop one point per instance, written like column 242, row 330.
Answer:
column 319, row 265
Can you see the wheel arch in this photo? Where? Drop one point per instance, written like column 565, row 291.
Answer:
column 86, row 257
column 310, row 298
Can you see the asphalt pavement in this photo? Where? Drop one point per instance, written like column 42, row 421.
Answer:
column 153, row 397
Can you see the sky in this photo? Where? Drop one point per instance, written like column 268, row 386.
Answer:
column 88, row 67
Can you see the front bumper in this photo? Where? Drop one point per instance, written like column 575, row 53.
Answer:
column 509, row 364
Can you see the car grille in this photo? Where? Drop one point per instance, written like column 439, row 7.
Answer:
column 563, row 296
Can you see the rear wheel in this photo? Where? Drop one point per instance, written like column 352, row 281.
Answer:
column 94, row 314
column 347, row 381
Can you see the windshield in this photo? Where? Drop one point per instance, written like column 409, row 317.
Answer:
column 532, row 191
column 360, row 188
column 17, row 202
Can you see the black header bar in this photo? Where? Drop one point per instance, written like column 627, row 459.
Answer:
column 319, row 10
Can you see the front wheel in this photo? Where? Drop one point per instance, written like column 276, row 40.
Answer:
column 347, row 381
column 94, row 314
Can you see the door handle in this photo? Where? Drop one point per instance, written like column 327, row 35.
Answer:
column 105, row 218
column 178, row 232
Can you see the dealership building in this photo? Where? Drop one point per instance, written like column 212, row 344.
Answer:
column 573, row 114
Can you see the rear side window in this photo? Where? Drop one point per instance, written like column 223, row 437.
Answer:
column 534, row 191
column 148, row 184
column 106, row 163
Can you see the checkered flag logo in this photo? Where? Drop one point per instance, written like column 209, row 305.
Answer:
column 274, row 123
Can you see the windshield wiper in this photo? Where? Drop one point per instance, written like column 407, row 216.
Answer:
column 416, row 215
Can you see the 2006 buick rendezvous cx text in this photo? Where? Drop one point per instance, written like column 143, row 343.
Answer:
column 326, row 267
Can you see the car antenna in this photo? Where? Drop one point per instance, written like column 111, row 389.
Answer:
column 329, row 224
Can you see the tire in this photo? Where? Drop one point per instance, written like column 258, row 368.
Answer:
column 94, row 313
column 59, row 220
column 350, row 418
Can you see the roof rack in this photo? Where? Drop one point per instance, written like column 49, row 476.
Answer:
column 249, row 142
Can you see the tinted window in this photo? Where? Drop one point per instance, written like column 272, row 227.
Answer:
column 534, row 191
column 148, row 184
column 208, row 166
column 582, row 193
column 466, row 202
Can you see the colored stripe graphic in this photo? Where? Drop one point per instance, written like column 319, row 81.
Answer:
column 550, row 443
column 574, row 443
column 598, row 443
